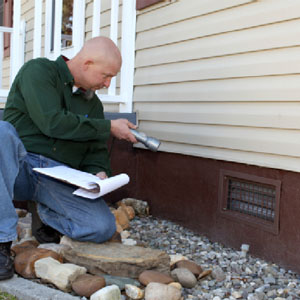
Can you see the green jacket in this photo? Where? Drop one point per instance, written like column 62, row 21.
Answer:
column 53, row 121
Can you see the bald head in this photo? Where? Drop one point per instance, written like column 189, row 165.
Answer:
column 96, row 63
column 100, row 49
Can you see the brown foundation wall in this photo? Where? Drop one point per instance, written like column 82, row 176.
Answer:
column 185, row 189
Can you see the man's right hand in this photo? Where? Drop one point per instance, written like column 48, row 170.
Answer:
column 120, row 128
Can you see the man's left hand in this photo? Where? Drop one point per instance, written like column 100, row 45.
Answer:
column 102, row 175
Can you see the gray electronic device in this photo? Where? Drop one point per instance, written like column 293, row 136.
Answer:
column 150, row 142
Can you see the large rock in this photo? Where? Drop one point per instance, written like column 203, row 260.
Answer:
column 185, row 277
column 159, row 291
column 134, row 292
column 153, row 276
column 140, row 207
column 58, row 248
column 120, row 281
column 21, row 247
column 24, row 261
column 129, row 210
column 174, row 258
column 61, row 275
column 115, row 259
column 121, row 218
column 86, row 284
column 190, row 265
column 111, row 292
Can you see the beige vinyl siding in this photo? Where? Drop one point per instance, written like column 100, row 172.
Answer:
column 221, row 79
column 27, row 14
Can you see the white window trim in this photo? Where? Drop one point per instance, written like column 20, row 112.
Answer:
column 17, row 47
column 78, row 29
column 125, row 99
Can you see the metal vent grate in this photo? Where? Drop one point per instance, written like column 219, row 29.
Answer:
column 250, row 199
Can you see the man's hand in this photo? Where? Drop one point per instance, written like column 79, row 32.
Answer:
column 120, row 128
column 101, row 175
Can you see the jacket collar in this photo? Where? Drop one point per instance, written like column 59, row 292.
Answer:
column 64, row 71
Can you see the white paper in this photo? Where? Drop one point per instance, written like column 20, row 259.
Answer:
column 85, row 181
column 106, row 186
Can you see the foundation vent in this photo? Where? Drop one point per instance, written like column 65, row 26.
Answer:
column 250, row 199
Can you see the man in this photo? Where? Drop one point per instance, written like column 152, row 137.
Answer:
column 46, row 124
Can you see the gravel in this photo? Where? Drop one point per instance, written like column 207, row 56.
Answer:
column 235, row 274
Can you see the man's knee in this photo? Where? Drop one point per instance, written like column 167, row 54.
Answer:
column 6, row 127
column 98, row 230
column 9, row 137
column 7, row 132
column 105, row 230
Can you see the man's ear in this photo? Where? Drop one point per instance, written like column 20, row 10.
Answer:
column 87, row 63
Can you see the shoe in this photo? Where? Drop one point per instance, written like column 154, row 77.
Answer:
column 46, row 234
column 43, row 233
column 6, row 261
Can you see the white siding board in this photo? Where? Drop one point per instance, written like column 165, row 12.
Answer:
column 280, row 35
column 105, row 20
column 267, row 88
column 29, row 36
column 242, row 17
column 29, row 15
column 183, row 9
column 263, row 63
column 105, row 6
column 111, row 107
column 266, row 160
column 259, row 140
column 257, row 114
column 26, row 6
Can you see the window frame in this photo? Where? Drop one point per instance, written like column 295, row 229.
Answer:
column 53, row 23
column 7, row 22
column 141, row 4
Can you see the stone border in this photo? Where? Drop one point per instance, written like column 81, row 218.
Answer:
column 28, row 290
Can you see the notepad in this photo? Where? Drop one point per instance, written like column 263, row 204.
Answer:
column 88, row 185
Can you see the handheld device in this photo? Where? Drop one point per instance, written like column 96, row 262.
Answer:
column 150, row 142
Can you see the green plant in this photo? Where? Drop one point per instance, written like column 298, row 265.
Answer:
column 6, row 296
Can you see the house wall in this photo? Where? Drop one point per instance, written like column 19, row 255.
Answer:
column 220, row 79
column 217, row 81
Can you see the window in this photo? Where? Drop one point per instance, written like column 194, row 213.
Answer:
column 6, row 15
column 66, row 25
column 140, row 4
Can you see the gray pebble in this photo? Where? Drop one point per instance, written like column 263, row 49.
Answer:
column 232, row 270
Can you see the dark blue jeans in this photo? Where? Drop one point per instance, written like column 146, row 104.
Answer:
column 78, row 218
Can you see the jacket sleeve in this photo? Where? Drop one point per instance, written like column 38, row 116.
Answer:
column 96, row 159
column 44, row 104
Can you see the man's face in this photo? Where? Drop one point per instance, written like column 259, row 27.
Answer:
column 98, row 75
